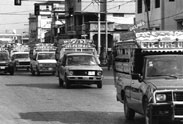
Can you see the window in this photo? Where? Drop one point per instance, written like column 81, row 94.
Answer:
column 157, row 3
column 139, row 6
column 118, row 14
column 79, row 0
column 147, row 4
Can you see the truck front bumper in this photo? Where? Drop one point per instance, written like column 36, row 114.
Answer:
column 169, row 111
column 84, row 79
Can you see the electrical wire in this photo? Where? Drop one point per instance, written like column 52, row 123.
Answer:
column 87, row 6
column 118, row 6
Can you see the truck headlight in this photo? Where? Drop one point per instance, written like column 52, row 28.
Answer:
column 71, row 73
column 160, row 97
column 99, row 73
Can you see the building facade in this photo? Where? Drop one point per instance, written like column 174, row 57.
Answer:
column 99, row 20
column 160, row 14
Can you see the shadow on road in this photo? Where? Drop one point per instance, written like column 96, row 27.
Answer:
column 52, row 86
column 80, row 117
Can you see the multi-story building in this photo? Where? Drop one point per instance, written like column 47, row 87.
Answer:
column 91, row 18
column 161, row 14
column 45, row 18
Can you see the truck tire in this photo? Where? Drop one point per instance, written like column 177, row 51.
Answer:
column 129, row 113
column 67, row 83
column 37, row 71
column 12, row 71
column 60, row 82
column 99, row 84
column 32, row 71
column 148, row 117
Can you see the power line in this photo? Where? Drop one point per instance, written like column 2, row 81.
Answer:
column 118, row 6
column 88, row 5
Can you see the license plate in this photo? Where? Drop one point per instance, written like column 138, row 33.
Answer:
column 50, row 69
column 2, row 67
column 91, row 73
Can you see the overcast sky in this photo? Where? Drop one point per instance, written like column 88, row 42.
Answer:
column 15, row 17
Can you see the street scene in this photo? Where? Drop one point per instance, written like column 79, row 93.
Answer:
column 91, row 61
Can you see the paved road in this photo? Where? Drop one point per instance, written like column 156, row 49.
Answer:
column 27, row 99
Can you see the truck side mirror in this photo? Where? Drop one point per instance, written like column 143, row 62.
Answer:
column 137, row 76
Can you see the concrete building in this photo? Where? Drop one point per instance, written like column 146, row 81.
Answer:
column 99, row 20
column 45, row 20
column 161, row 14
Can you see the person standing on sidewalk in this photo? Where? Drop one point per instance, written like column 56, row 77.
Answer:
column 109, row 60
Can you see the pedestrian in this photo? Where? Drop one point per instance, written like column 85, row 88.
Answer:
column 109, row 60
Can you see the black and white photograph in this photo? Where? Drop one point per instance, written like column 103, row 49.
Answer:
column 91, row 61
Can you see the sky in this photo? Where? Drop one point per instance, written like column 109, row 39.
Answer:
column 15, row 17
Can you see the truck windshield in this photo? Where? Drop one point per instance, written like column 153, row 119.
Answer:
column 21, row 56
column 163, row 66
column 81, row 60
column 42, row 56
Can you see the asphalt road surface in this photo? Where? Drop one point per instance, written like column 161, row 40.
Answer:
column 27, row 99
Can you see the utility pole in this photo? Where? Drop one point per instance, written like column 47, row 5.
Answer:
column 106, row 27
column 146, row 10
column 99, row 35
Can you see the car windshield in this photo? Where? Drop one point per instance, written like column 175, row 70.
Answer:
column 81, row 60
column 3, row 56
column 42, row 56
column 21, row 56
column 164, row 66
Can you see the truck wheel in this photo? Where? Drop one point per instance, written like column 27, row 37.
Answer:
column 12, row 72
column 32, row 71
column 53, row 73
column 60, row 82
column 38, row 72
column 67, row 83
column 147, row 114
column 99, row 84
column 129, row 113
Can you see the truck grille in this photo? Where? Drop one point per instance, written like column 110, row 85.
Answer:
column 3, row 64
column 24, row 63
column 178, row 109
column 178, row 96
column 49, row 65
column 81, row 72
column 176, row 99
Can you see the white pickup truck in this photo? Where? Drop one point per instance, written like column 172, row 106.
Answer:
column 43, row 62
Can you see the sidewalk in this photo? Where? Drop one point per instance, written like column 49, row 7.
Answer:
column 108, row 74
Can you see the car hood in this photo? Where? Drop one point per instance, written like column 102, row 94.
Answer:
column 167, row 84
column 47, row 61
column 84, row 68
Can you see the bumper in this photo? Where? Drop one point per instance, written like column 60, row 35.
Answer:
column 47, row 69
column 172, row 111
column 6, row 69
column 84, row 79
column 22, row 66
